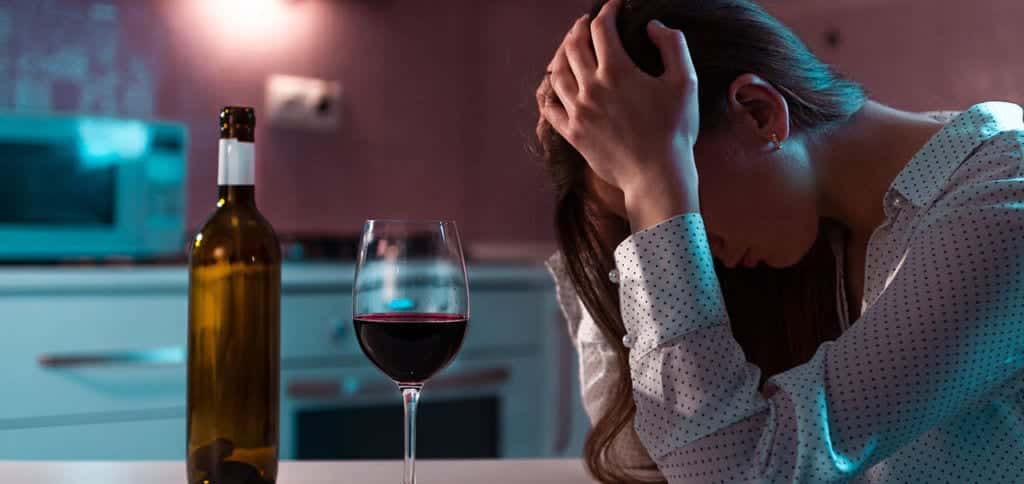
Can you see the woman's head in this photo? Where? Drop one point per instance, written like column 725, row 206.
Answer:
column 756, row 79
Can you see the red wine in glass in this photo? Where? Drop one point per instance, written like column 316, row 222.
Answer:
column 410, row 347
column 410, row 307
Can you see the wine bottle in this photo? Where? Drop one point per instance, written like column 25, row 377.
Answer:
column 234, row 325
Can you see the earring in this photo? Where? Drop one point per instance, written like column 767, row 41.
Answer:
column 776, row 142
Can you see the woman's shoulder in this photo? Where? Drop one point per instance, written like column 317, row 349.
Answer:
column 979, row 150
column 943, row 116
column 986, row 109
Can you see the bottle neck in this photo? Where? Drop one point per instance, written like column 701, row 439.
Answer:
column 236, row 164
column 238, row 195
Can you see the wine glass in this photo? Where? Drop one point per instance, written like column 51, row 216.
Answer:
column 410, row 306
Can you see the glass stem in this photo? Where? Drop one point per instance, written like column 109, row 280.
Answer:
column 410, row 398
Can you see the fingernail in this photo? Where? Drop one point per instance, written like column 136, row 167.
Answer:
column 657, row 23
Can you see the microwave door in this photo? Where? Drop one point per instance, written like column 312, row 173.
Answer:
column 48, row 186
column 59, row 201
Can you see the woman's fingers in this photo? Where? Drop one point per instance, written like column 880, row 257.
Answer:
column 543, row 92
column 675, row 54
column 562, row 79
column 556, row 96
column 550, row 108
column 578, row 51
column 607, row 44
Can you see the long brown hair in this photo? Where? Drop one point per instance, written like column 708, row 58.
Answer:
column 778, row 316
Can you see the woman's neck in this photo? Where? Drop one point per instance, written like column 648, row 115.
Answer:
column 856, row 163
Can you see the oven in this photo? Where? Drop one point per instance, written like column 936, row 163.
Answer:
column 511, row 392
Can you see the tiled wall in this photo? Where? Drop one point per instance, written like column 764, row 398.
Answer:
column 438, row 95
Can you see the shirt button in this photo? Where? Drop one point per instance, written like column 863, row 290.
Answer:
column 628, row 340
column 613, row 276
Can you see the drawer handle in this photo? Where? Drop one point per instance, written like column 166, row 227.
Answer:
column 174, row 355
column 327, row 389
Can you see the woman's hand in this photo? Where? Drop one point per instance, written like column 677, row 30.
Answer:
column 636, row 131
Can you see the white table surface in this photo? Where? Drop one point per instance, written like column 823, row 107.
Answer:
column 546, row 471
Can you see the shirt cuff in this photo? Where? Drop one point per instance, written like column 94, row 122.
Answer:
column 668, row 286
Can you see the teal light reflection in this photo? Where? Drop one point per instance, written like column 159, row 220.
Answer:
column 351, row 385
column 845, row 464
column 162, row 356
column 103, row 142
column 401, row 304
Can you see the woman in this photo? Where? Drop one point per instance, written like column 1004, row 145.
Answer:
column 734, row 143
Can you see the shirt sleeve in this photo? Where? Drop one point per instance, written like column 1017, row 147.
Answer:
column 948, row 328
column 598, row 363
column 597, row 359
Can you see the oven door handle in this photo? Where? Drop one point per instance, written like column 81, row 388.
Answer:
column 333, row 389
column 174, row 355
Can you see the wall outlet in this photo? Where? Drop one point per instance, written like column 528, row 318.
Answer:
column 303, row 102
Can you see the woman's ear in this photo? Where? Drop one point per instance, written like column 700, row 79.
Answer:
column 758, row 104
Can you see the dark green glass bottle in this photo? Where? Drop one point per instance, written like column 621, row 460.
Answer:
column 234, row 329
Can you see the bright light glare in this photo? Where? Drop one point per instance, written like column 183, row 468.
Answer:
column 271, row 29
column 102, row 142
column 246, row 17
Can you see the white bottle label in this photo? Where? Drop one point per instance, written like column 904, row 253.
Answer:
column 236, row 163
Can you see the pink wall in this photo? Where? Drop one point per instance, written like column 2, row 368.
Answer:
column 438, row 99
column 919, row 54
column 439, row 95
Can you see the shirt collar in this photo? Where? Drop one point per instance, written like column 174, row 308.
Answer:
column 926, row 175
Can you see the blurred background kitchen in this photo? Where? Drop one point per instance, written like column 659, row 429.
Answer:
column 366, row 108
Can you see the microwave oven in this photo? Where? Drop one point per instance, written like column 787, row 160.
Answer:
column 78, row 187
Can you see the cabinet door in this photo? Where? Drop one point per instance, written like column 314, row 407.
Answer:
column 139, row 440
column 75, row 334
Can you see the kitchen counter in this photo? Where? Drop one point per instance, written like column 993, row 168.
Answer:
column 295, row 276
column 561, row 471
column 97, row 357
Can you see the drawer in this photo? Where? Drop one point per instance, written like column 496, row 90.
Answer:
column 319, row 326
column 316, row 331
column 93, row 325
column 162, row 439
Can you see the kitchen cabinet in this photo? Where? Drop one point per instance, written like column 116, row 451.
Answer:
column 151, row 439
column 91, row 359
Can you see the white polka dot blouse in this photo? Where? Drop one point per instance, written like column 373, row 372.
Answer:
column 927, row 386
